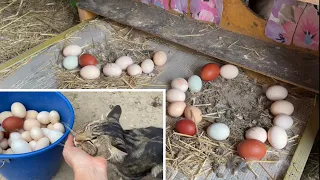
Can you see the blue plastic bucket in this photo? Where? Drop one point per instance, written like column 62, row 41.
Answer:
column 45, row 163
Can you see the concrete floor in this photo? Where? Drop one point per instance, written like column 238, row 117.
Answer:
column 138, row 110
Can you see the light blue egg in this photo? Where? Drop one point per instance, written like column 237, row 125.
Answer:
column 70, row 62
column 195, row 83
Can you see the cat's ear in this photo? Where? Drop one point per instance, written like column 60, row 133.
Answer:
column 115, row 113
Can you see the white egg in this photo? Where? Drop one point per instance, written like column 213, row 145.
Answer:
column 112, row 70
column 70, row 62
column 9, row 142
column 229, row 71
column 284, row 121
column 277, row 137
column 14, row 136
column 50, row 126
column 4, row 144
column 174, row 95
column 58, row 127
column 20, row 146
column 257, row 133
column 218, row 131
column 18, row 110
column 42, row 143
column 134, row 70
column 9, row 151
column 26, row 136
column 53, row 135
column 72, row 50
column 32, row 144
column 180, row 83
column 54, row 117
column 282, row 107
column 90, row 72
column 4, row 115
column 31, row 114
column 176, row 109
column 43, row 117
column 275, row 93
column 124, row 61
column 30, row 123
column 1, row 136
column 160, row 58
column 36, row 133
column 147, row 66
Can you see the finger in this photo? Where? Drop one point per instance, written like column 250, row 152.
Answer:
column 69, row 141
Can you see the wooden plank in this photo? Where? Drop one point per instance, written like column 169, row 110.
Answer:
column 302, row 152
column 294, row 67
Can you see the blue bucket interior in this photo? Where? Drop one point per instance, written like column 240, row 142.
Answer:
column 44, row 163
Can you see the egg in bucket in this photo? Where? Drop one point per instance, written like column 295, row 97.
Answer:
column 42, row 164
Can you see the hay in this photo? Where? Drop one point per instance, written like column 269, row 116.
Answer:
column 27, row 23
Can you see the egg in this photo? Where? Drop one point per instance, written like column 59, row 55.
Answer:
column 32, row 144
column 284, row 121
column 50, row 126
column 147, row 66
column 54, row 117
column 70, row 62
column 30, row 123
column 43, row 117
column 9, row 151
column 277, row 137
column 218, row 131
column 195, row 83
column 257, row 133
column 18, row 110
column 174, row 95
column 229, row 71
column 209, row 72
column 4, row 143
column 58, row 127
column 26, row 136
column 14, row 136
column 159, row 58
column 186, row 126
column 20, row 146
column 42, row 143
column 251, row 149
column 53, row 135
column 176, row 109
column 4, row 115
column 90, row 72
column 31, row 114
column 72, row 50
column 134, row 70
column 12, row 123
column 112, row 70
column 36, row 133
column 282, row 107
column 124, row 62
column 193, row 113
column 6, row 134
column 1, row 136
column 180, row 83
column 87, row 59
column 275, row 93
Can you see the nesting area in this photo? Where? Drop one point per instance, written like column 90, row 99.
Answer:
column 239, row 103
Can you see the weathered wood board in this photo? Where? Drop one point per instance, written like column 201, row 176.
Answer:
column 294, row 67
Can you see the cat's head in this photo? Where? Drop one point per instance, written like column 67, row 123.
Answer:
column 104, row 137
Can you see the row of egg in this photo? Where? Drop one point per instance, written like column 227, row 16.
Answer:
column 89, row 69
column 24, row 131
column 253, row 147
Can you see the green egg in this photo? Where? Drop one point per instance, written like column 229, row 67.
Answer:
column 70, row 62
column 195, row 83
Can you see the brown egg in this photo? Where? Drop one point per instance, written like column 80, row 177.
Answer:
column 176, row 109
column 193, row 113
column 159, row 58
column 6, row 135
column 252, row 149
column 12, row 123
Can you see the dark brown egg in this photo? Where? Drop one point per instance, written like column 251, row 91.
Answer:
column 87, row 59
column 12, row 123
column 6, row 135
column 252, row 149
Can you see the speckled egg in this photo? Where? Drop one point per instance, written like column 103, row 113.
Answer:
column 72, row 50
column 180, row 83
column 90, row 72
column 112, row 70
column 124, row 62
column 195, row 83
column 175, row 95
column 147, row 66
column 70, row 62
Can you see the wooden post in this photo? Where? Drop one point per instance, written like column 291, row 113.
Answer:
column 85, row 15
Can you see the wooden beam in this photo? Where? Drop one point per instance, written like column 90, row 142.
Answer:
column 291, row 66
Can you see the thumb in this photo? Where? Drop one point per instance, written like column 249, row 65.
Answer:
column 69, row 142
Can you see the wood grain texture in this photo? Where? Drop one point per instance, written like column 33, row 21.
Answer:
column 290, row 66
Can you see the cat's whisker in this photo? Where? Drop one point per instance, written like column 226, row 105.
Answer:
column 67, row 127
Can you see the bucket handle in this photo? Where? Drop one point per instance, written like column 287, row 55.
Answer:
column 4, row 162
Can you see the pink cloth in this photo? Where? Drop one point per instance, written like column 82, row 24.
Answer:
column 180, row 6
column 206, row 10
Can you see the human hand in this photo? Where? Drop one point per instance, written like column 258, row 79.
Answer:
column 316, row 2
column 84, row 165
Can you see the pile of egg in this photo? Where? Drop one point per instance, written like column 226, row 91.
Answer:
column 89, row 69
column 253, row 147
column 23, row 131
column 193, row 115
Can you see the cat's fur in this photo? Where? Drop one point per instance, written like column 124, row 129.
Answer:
column 135, row 153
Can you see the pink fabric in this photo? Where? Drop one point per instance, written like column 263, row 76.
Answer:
column 180, row 6
column 205, row 10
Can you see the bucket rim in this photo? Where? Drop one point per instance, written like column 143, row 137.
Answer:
column 34, row 153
